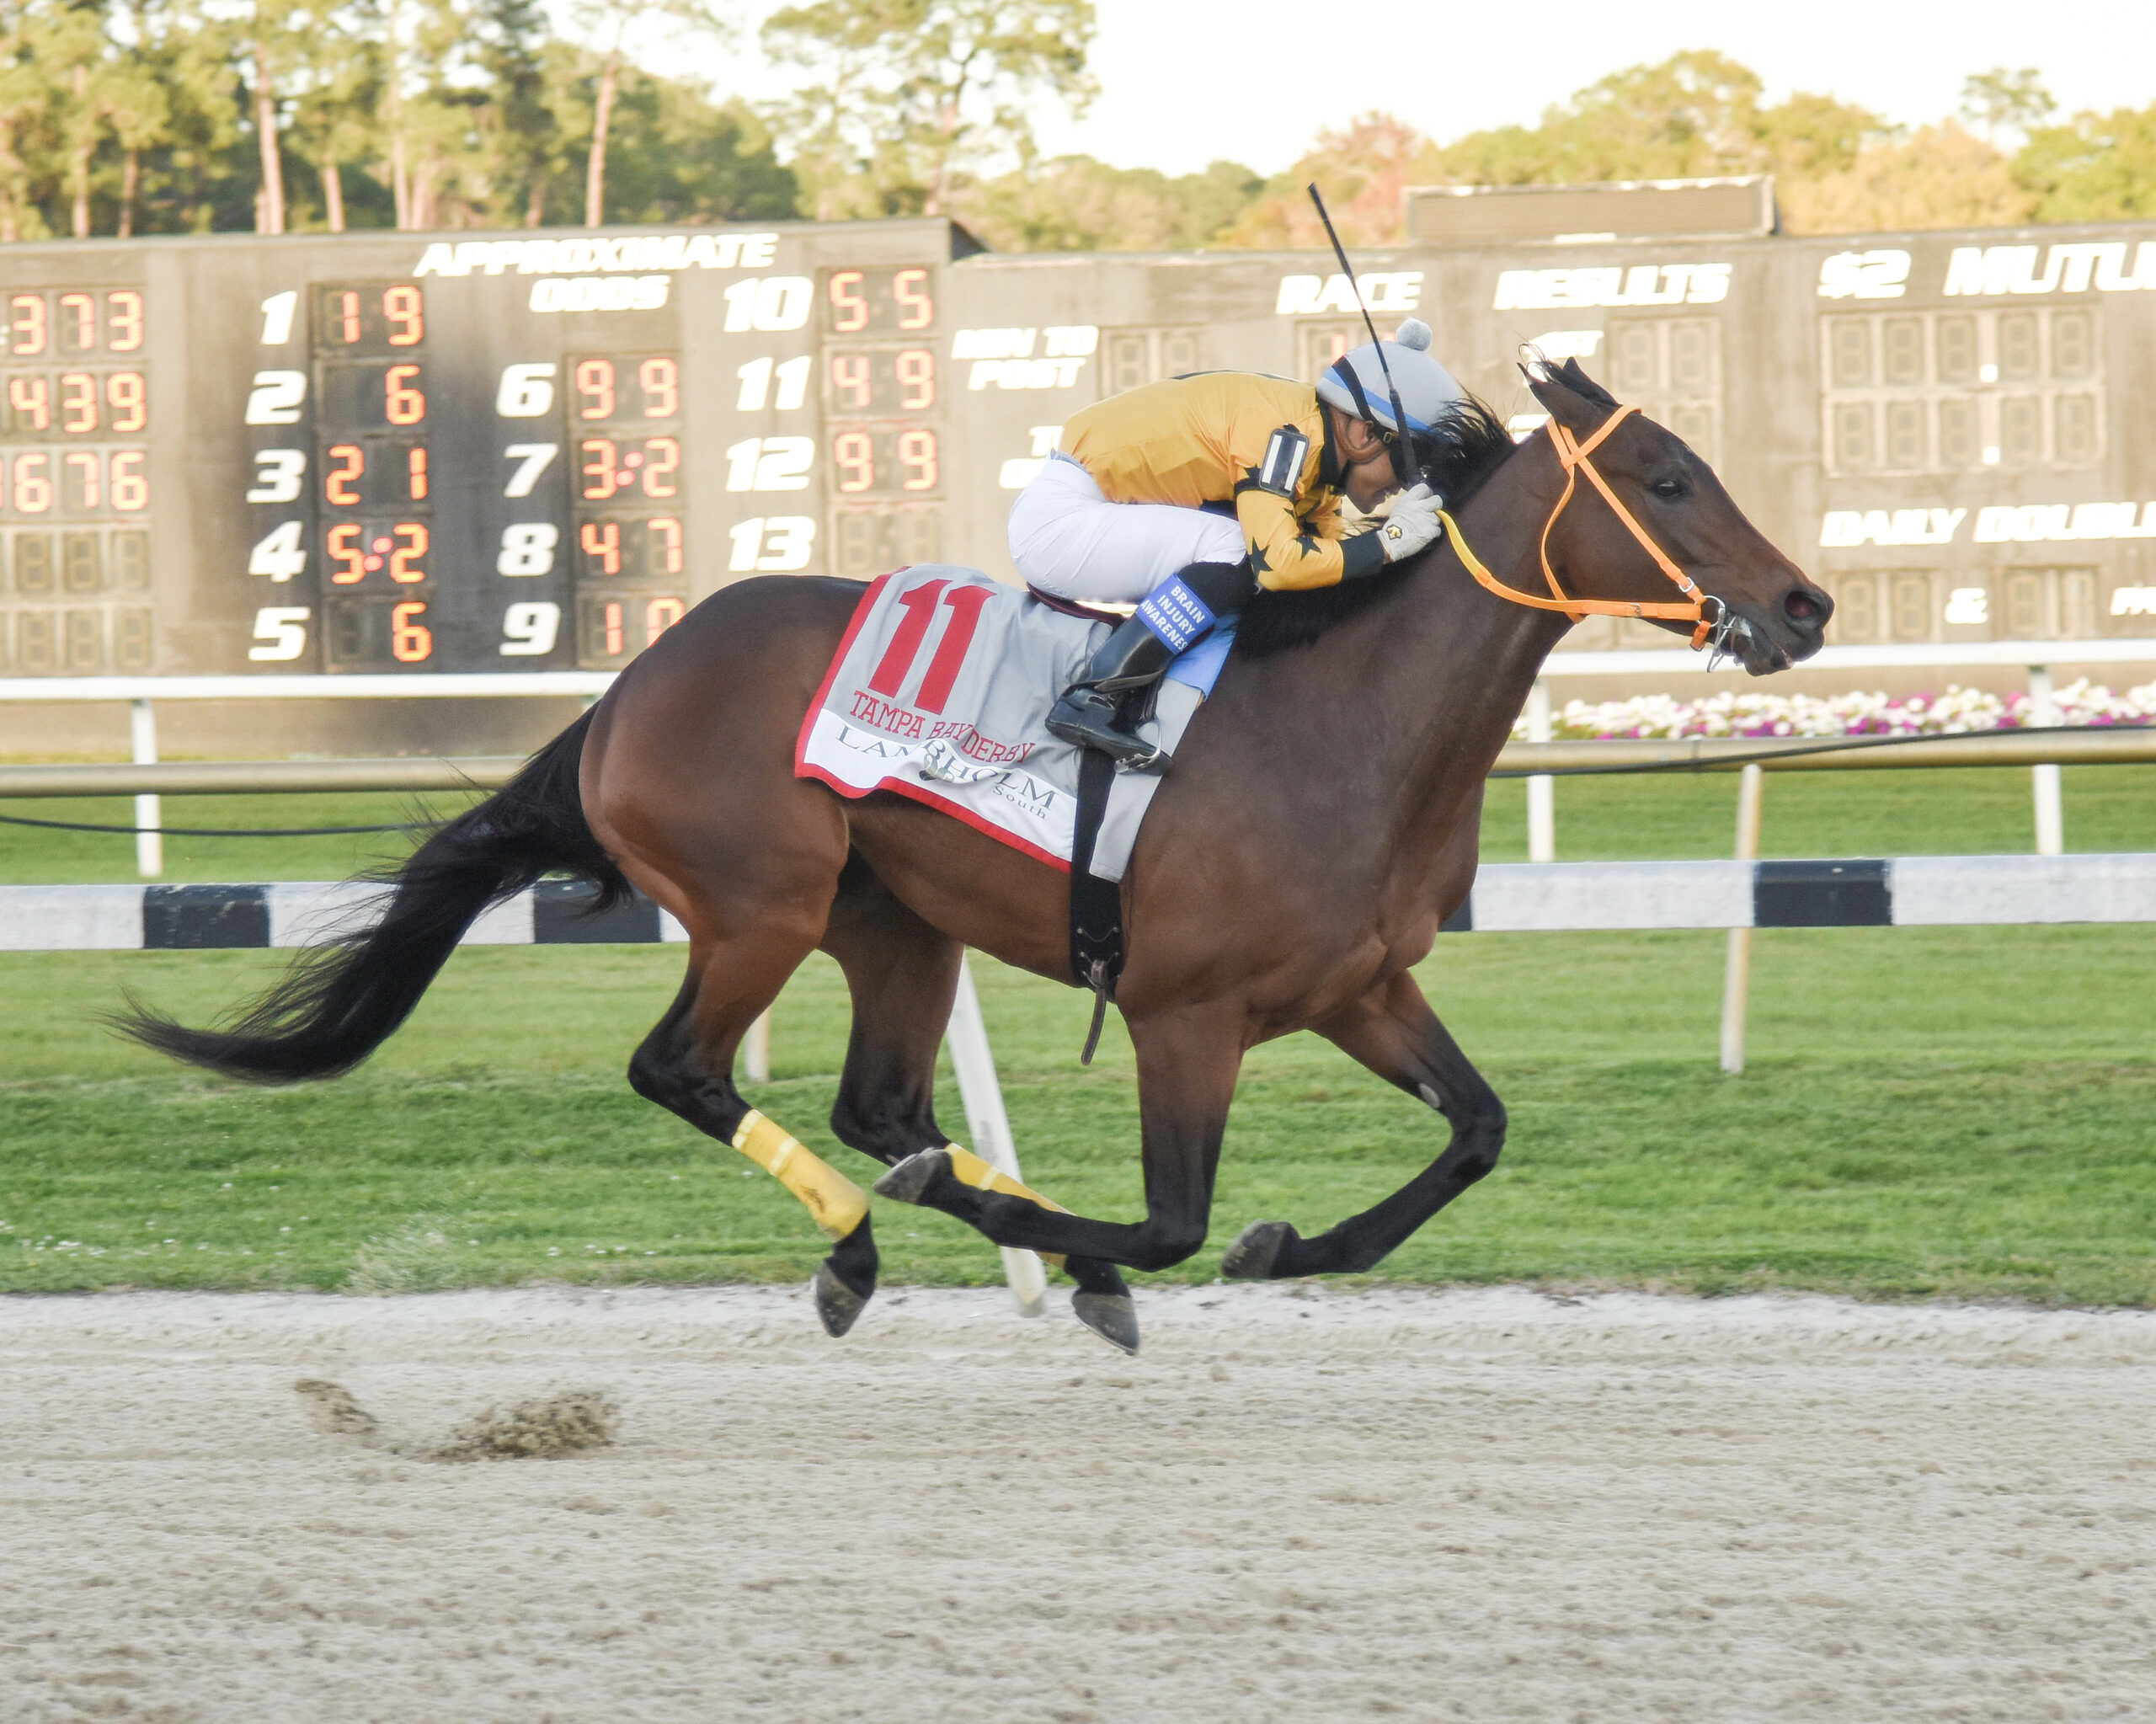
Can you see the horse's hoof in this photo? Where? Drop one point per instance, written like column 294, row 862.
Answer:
column 1252, row 1256
column 837, row 1304
column 907, row 1181
column 1110, row 1315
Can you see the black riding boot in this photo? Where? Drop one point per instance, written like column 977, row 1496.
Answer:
column 1096, row 710
column 1092, row 712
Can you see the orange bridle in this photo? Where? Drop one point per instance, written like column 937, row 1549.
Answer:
column 1572, row 456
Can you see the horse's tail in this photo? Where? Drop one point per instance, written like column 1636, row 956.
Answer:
column 336, row 1006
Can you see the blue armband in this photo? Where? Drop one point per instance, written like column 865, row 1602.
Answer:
column 1176, row 614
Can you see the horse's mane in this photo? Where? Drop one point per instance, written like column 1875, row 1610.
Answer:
column 1465, row 450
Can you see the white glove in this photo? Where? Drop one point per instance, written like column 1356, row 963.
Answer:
column 1412, row 524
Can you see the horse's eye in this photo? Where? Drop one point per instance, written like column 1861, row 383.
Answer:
column 1669, row 490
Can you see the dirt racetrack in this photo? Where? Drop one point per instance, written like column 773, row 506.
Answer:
column 1297, row 1504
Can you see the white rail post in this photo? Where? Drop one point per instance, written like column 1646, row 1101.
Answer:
column 983, row 1096
column 1541, row 788
column 2051, row 823
column 1736, row 976
column 756, row 1050
column 149, row 810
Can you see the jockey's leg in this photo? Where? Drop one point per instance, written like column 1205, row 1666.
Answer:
column 1098, row 710
column 1182, row 567
column 1069, row 540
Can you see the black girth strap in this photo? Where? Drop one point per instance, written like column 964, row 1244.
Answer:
column 1095, row 904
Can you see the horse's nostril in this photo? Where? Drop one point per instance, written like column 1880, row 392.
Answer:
column 1807, row 610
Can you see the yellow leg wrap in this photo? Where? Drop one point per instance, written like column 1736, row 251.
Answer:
column 834, row 1202
column 971, row 1170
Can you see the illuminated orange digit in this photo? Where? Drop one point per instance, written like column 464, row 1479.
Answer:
column 85, row 462
column 669, row 542
column 337, row 481
column 853, row 453
column 129, row 398
column 411, row 546
column 660, row 379
column 347, row 315
column 916, row 369
column 849, row 379
column 344, row 543
column 600, row 470
column 661, row 615
column 85, row 309
column 917, row 454
column 603, row 539
column 611, row 617
column 409, row 640
column 662, row 458
column 404, row 311
column 123, row 320
column 918, row 310
column 595, row 382
column 26, row 324
column 29, row 399
column 415, row 467
column 851, row 308
column 33, row 482
column 402, row 401
column 131, row 485
column 79, row 403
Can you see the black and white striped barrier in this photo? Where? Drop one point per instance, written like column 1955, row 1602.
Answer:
column 1903, row 891
column 296, row 913
column 1910, row 891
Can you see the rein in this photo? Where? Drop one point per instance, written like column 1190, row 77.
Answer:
column 1573, row 455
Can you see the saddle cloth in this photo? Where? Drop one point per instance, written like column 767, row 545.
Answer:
column 941, row 691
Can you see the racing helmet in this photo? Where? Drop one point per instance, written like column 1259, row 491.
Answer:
column 1355, row 384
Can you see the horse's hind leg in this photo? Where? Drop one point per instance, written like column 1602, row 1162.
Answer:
column 686, row 1065
column 1187, row 1066
column 902, row 974
column 1393, row 1032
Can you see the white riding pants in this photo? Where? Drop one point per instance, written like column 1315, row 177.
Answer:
column 1069, row 540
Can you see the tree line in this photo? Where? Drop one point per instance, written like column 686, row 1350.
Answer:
column 2007, row 156
column 159, row 116
column 176, row 116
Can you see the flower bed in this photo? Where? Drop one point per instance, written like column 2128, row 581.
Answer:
column 1730, row 713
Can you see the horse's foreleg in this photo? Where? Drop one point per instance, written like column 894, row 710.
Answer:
column 1392, row 1030
column 686, row 1066
column 1186, row 1067
column 902, row 974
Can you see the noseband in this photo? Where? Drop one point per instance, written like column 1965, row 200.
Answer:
column 1572, row 456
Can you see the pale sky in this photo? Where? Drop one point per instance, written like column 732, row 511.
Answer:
column 1186, row 82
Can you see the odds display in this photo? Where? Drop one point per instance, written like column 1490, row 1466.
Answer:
column 410, row 454
column 384, row 453
column 75, row 488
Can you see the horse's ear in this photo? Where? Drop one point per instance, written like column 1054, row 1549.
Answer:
column 1572, row 397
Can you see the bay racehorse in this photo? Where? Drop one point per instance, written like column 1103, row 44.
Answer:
column 1321, row 822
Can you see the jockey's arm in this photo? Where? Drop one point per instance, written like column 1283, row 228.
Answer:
column 1286, row 554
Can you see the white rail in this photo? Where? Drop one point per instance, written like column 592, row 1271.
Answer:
column 2036, row 657
column 444, row 685
column 1943, row 655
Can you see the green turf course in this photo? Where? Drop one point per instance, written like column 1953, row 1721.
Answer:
column 1958, row 1112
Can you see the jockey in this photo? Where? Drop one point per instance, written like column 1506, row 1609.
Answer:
column 1175, row 495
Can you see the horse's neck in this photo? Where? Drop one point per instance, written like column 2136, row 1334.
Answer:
column 1460, row 659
